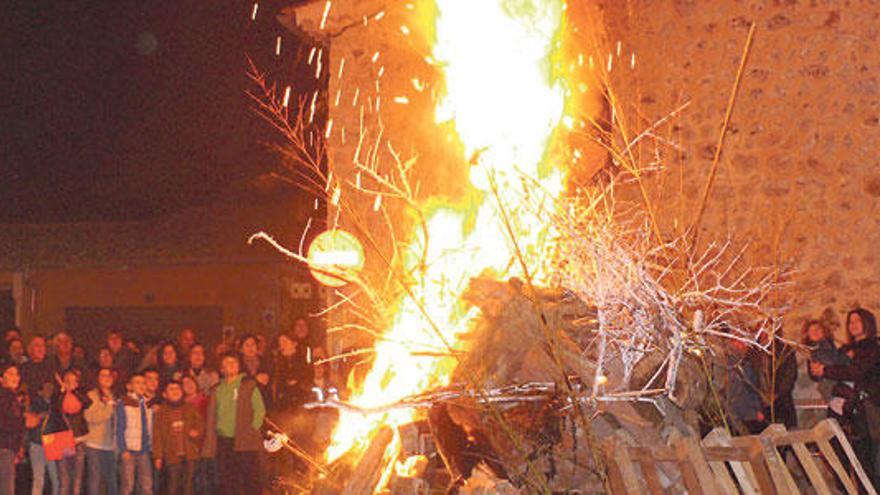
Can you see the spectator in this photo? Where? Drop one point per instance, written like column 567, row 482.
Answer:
column 100, row 443
column 186, row 339
column 743, row 388
column 152, row 385
column 104, row 359
column 134, row 433
column 292, row 377
column 38, row 370
column 205, row 468
column 205, row 377
column 168, row 364
column 864, row 353
column 781, row 374
column 235, row 415
column 15, row 352
column 193, row 395
column 124, row 358
column 43, row 416
column 11, row 427
column 73, row 403
column 251, row 362
column 305, row 338
column 12, row 333
column 80, row 356
column 64, row 352
column 822, row 350
column 179, row 431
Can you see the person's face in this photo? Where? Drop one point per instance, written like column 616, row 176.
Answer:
column 16, row 349
column 11, row 378
column 301, row 329
column 151, row 381
column 197, row 356
column 856, row 328
column 249, row 348
column 230, row 367
column 105, row 358
column 47, row 389
column 169, row 357
column 320, row 371
column 63, row 344
column 114, row 342
column 190, row 387
column 71, row 381
column 173, row 392
column 287, row 346
column 137, row 385
column 37, row 349
column 105, row 379
column 815, row 333
column 187, row 338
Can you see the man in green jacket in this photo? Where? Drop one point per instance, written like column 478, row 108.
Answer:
column 232, row 431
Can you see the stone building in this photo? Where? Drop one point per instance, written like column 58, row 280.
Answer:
column 798, row 180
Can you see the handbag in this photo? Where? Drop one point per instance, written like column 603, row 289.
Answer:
column 58, row 445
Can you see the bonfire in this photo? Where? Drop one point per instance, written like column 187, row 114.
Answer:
column 536, row 310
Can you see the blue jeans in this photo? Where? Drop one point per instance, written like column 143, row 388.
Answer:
column 102, row 468
column 7, row 472
column 136, row 466
column 39, row 466
column 70, row 470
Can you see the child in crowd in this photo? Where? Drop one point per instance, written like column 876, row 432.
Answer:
column 134, row 435
column 74, row 402
column 152, row 383
column 179, row 430
column 101, row 442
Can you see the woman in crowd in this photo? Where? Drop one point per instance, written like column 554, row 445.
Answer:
column 11, row 427
column 15, row 352
column 100, row 443
column 291, row 379
column 168, row 364
column 205, row 378
column 74, row 401
column 43, row 417
column 864, row 354
column 252, row 364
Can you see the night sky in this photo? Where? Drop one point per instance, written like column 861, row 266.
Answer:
column 124, row 110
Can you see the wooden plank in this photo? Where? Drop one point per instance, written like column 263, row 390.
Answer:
column 618, row 453
column 615, row 477
column 832, row 424
column 778, row 470
column 695, row 471
column 837, row 466
column 746, row 479
column 811, row 468
column 758, row 469
column 648, row 466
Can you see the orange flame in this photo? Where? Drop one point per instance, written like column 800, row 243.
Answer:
column 505, row 107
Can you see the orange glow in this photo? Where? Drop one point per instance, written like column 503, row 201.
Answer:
column 504, row 107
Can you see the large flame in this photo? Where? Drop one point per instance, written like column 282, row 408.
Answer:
column 504, row 106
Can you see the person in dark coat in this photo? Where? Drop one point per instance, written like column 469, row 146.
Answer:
column 39, row 369
column 74, row 402
column 11, row 428
column 864, row 403
column 781, row 372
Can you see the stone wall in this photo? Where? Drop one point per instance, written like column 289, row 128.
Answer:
column 799, row 175
column 798, row 179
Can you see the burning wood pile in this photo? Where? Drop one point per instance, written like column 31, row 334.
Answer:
column 521, row 318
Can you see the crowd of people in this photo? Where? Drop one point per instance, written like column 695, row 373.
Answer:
column 837, row 381
column 155, row 418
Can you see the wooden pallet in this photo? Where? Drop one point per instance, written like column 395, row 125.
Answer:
column 731, row 465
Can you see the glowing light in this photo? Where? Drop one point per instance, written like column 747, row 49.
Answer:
column 504, row 107
column 335, row 252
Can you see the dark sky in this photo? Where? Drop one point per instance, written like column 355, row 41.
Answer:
column 120, row 109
